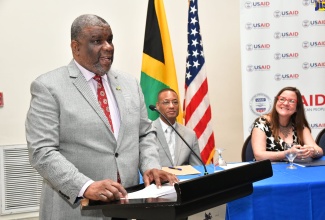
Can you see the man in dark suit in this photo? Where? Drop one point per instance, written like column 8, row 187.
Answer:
column 172, row 149
column 86, row 136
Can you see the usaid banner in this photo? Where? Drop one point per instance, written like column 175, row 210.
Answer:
column 282, row 44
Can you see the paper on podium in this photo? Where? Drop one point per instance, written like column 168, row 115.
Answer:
column 184, row 170
column 152, row 191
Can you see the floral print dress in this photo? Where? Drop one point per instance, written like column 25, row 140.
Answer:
column 271, row 144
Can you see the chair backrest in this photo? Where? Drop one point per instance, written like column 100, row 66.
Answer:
column 247, row 150
column 320, row 139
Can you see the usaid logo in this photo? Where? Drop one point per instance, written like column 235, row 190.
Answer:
column 260, row 104
column 317, row 125
column 314, row 65
column 313, row 44
column 313, row 23
column 317, row 44
column 292, row 13
column 250, row 26
column 314, row 102
column 261, row 25
column 250, row 47
column 279, row 56
column 257, row 4
column 261, row 4
column 278, row 14
column 278, row 35
column 288, row 76
column 317, row 23
column 251, row 68
column 317, row 65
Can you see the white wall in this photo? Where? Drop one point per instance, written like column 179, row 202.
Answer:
column 35, row 38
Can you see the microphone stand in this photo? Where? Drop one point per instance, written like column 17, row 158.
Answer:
column 153, row 108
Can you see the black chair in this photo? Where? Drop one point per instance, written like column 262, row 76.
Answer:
column 247, row 150
column 320, row 139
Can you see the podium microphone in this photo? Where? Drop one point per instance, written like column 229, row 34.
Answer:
column 153, row 108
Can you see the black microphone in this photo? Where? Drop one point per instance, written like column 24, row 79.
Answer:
column 153, row 108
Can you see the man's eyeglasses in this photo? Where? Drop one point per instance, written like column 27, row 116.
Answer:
column 167, row 102
column 282, row 99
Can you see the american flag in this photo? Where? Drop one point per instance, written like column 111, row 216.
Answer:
column 197, row 108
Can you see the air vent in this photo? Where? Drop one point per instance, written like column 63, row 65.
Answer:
column 20, row 183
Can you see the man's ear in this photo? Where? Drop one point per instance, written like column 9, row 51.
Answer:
column 75, row 47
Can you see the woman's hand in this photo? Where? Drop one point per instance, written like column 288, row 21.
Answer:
column 306, row 151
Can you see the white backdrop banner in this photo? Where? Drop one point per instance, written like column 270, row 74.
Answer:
column 282, row 44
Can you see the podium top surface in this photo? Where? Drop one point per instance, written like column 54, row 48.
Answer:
column 191, row 196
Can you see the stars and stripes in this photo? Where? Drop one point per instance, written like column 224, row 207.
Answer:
column 197, row 108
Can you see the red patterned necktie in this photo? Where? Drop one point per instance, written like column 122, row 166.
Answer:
column 102, row 99
column 118, row 177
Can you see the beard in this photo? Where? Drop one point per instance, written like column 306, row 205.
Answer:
column 100, row 70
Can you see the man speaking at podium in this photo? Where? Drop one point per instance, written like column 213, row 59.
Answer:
column 172, row 149
column 87, row 128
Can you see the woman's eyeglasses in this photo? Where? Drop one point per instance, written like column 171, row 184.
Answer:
column 282, row 99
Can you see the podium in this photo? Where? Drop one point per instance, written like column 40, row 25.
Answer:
column 192, row 196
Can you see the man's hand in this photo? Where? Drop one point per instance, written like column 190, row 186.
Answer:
column 159, row 176
column 105, row 190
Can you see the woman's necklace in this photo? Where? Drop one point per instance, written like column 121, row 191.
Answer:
column 285, row 130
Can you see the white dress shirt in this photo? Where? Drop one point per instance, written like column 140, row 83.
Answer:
column 113, row 108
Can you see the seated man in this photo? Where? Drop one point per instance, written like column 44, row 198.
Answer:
column 172, row 149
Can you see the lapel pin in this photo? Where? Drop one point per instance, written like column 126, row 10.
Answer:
column 118, row 88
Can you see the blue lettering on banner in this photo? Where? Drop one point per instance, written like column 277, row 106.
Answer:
column 317, row 22
column 318, row 125
column 290, row 13
column 260, row 99
column 261, row 4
